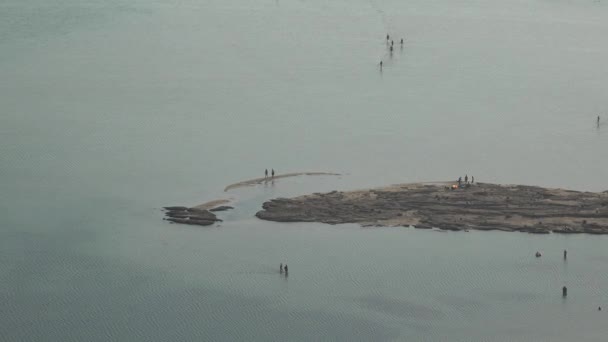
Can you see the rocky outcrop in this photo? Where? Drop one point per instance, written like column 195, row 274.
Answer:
column 483, row 206
column 222, row 208
column 193, row 216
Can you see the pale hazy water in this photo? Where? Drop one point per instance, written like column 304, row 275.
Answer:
column 112, row 109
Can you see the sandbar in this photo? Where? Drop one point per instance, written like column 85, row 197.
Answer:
column 261, row 180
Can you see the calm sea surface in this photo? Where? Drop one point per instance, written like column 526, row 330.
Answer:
column 110, row 110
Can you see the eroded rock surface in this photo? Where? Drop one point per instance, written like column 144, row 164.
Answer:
column 193, row 216
column 480, row 206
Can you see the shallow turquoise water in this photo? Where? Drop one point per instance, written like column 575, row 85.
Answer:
column 111, row 110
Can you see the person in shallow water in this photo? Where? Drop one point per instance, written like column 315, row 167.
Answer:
column 380, row 65
column 472, row 179
column 387, row 37
column 466, row 178
column 598, row 120
column 281, row 268
column 286, row 269
column 266, row 173
column 538, row 254
column 272, row 173
column 401, row 41
column 565, row 254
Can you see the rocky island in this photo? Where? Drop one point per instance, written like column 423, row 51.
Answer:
column 193, row 216
column 447, row 206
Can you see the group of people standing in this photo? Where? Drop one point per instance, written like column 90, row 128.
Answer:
column 266, row 174
column 466, row 180
column 390, row 43
column 283, row 269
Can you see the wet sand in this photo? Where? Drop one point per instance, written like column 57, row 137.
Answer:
column 480, row 206
column 212, row 204
column 261, row 180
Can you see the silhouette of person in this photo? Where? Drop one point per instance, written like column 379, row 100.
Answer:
column 401, row 41
column 273, row 177
column 380, row 64
column 466, row 178
column 472, row 179
column 286, row 269
column 387, row 37
column 281, row 268
column 266, row 173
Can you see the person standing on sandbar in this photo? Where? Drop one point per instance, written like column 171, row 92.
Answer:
column 273, row 177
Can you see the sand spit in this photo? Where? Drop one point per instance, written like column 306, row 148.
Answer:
column 480, row 206
column 269, row 179
column 212, row 204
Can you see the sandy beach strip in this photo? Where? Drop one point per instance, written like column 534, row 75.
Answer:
column 261, row 180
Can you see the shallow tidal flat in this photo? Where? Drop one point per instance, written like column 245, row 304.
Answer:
column 480, row 206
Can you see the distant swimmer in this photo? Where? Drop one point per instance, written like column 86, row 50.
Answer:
column 286, row 269
column 265, row 173
column 598, row 120
column 272, row 173
column 392, row 43
column 380, row 65
column 387, row 37
column 466, row 178
column 391, row 48
column 565, row 254
column 472, row 179
column 281, row 268
column 401, row 41
column 538, row 254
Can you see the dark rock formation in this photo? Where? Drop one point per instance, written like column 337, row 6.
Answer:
column 192, row 216
column 222, row 208
column 481, row 206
